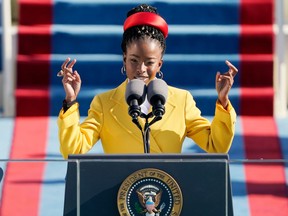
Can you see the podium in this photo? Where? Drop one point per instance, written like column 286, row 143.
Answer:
column 176, row 184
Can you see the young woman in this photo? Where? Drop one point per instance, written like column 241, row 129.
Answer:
column 143, row 47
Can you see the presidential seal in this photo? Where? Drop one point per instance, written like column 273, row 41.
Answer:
column 149, row 192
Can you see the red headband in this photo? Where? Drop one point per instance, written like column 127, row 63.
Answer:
column 147, row 18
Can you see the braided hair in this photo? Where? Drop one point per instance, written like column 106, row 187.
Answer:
column 139, row 32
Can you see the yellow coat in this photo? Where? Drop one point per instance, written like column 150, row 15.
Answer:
column 108, row 120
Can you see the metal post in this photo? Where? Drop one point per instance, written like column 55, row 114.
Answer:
column 8, row 63
column 280, row 75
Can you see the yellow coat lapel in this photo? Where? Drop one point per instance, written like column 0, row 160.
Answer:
column 120, row 114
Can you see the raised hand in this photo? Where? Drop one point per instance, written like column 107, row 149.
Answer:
column 224, row 82
column 71, row 80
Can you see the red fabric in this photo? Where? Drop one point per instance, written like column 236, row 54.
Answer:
column 33, row 60
column 266, row 187
column 33, row 12
column 259, row 69
column 33, row 77
column 34, row 40
column 33, row 101
column 33, row 71
column 22, row 182
column 257, row 12
column 257, row 101
column 267, row 193
column 257, row 39
column 256, row 57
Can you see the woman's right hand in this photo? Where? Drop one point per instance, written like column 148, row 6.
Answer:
column 71, row 80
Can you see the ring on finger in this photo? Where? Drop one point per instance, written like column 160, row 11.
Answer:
column 60, row 73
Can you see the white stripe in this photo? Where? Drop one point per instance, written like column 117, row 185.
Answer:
column 148, row 1
column 173, row 29
column 167, row 57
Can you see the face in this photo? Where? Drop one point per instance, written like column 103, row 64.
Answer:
column 143, row 59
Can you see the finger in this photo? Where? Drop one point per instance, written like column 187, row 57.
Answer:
column 63, row 66
column 226, row 77
column 68, row 77
column 232, row 69
column 77, row 76
column 227, row 80
column 71, row 64
column 217, row 78
column 68, row 70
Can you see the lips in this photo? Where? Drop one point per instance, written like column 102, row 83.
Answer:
column 143, row 78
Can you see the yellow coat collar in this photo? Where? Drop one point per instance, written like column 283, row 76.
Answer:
column 120, row 114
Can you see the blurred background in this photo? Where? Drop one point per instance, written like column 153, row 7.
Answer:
column 38, row 35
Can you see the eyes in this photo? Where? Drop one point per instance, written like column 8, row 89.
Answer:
column 136, row 61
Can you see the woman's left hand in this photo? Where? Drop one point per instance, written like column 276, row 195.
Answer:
column 224, row 82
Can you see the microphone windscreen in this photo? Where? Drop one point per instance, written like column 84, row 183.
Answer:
column 135, row 89
column 157, row 90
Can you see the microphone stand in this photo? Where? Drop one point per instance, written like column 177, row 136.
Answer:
column 146, row 131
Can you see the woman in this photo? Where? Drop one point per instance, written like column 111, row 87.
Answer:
column 143, row 47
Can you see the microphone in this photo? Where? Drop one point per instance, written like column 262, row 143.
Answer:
column 135, row 96
column 157, row 91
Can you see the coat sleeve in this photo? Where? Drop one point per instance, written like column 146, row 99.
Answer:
column 76, row 138
column 214, row 137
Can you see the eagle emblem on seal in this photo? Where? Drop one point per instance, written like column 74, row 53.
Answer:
column 149, row 197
